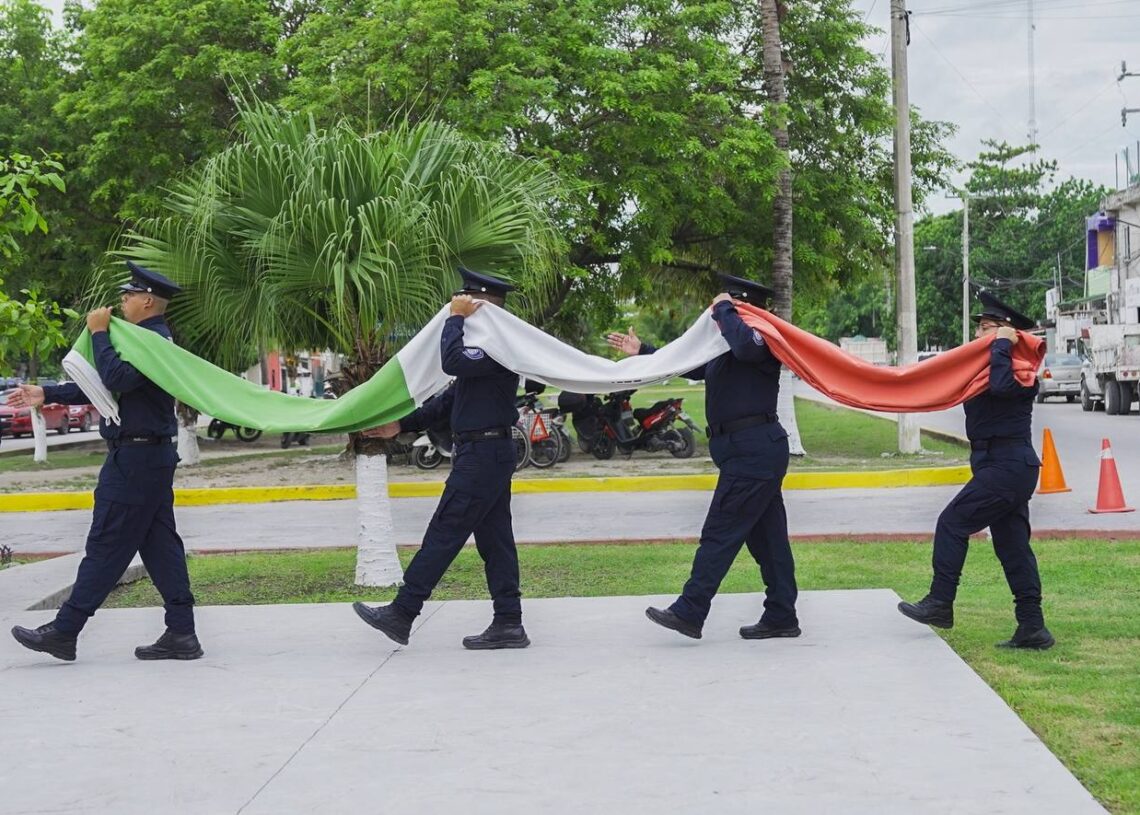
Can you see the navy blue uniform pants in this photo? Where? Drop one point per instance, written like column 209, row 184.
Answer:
column 747, row 509
column 476, row 499
column 996, row 497
column 134, row 512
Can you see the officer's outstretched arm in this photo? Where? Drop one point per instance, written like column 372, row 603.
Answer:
column 1002, row 381
column 431, row 412
column 66, row 394
column 746, row 343
column 458, row 360
column 116, row 374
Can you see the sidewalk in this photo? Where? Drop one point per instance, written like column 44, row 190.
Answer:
column 305, row 709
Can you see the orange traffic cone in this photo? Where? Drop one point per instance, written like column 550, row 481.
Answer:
column 1052, row 479
column 1109, row 495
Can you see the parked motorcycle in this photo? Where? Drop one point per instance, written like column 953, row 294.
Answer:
column 301, row 439
column 431, row 448
column 436, row 444
column 605, row 426
column 218, row 428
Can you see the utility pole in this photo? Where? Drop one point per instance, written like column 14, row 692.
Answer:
column 965, row 266
column 1124, row 73
column 904, row 215
column 1032, row 84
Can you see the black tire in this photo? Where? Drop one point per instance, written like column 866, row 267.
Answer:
column 603, row 447
column 1127, row 394
column 564, row 450
column 545, row 453
column 522, row 447
column 216, row 429
column 1070, row 398
column 1087, row 403
column 85, row 423
column 426, row 458
column 1111, row 398
column 285, row 437
column 247, row 434
column 689, row 442
column 1040, row 397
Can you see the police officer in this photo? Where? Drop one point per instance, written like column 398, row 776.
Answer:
column 477, row 496
column 1005, row 469
column 134, row 499
column 750, row 448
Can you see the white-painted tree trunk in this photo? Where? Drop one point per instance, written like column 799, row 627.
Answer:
column 39, row 433
column 786, row 410
column 188, row 452
column 376, row 561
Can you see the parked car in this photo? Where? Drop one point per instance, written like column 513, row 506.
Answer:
column 16, row 423
column 1060, row 375
column 83, row 417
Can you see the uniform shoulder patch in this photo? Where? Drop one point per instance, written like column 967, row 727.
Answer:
column 473, row 353
column 757, row 337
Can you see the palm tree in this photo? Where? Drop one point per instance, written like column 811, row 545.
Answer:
column 303, row 237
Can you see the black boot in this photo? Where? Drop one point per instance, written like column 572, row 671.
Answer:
column 668, row 619
column 937, row 613
column 171, row 646
column 763, row 631
column 395, row 624
column 498, row 635
column 48, row 640
column 1036, row 639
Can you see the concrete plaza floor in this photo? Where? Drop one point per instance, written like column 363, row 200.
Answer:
column 305, row 709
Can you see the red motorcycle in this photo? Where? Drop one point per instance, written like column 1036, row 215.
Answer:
column 609, row 425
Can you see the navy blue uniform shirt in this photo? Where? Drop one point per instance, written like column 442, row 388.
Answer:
column 744, row 381
column 1006, row 409
column 482, row 396
column 144, row 408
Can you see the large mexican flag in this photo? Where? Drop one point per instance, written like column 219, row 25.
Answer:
column 414, row 374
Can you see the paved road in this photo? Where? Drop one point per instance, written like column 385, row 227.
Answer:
column 1077, row 435
column 53, row 440
column 542, row 518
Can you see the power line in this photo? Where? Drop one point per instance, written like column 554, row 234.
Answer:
column 1085, row 18
column 1087, row 102
column 946, row 59
column 999, row 6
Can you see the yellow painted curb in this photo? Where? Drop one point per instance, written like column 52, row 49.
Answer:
column 918, row 477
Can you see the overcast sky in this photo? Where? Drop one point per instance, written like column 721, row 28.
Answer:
column 969, row 65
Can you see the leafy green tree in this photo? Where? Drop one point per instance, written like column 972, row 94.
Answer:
column 1021, row 225
column 20, row 180
column 32, row 328
column 657, row 111
column 303, row 237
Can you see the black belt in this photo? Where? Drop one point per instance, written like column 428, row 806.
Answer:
column 723, row 428
column 136, row 441
column 997, row 441
column 484, row 435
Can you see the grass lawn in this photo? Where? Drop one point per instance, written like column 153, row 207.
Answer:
column 834, row 437
column 1082, row 697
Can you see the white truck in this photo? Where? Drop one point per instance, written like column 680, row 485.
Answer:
column 1111, row 368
